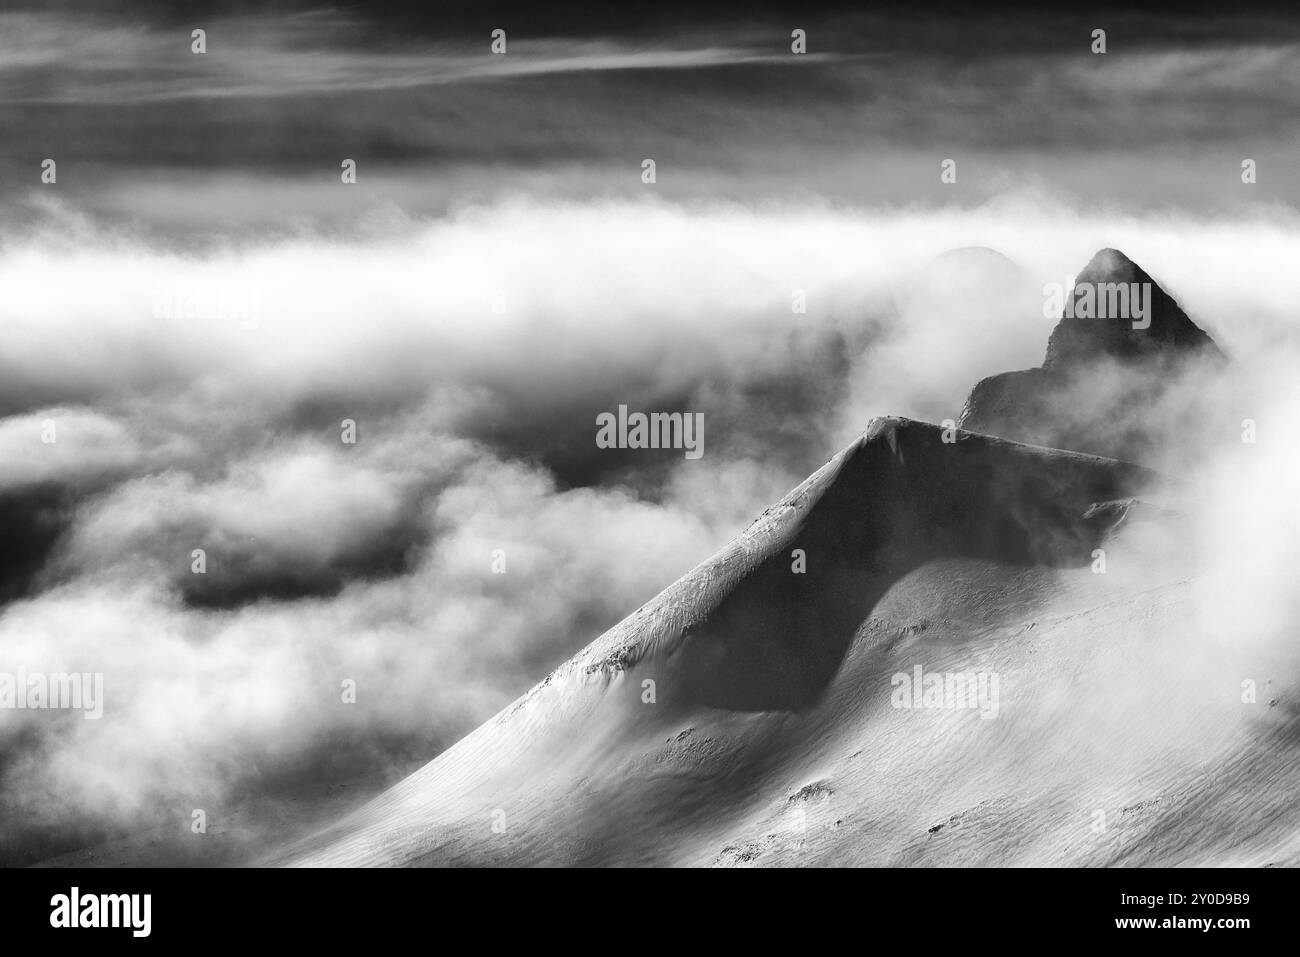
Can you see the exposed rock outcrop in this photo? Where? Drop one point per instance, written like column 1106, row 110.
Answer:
column 1106, row 382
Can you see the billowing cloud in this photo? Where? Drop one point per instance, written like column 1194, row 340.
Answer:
column 472, row 352
column 198, row 317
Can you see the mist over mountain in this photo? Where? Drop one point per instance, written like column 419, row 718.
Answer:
column 762, row 710
column 1116, row 377
column 304, row 340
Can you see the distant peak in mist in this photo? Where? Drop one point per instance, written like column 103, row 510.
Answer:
column 1110, row 363
column 984, row 255
column 1117, row 310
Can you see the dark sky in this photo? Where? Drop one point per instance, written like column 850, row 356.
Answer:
column 583, row 94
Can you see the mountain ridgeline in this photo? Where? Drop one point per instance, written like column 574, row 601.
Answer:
column 749, row 713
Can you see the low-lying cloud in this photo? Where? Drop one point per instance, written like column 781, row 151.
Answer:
column 473, row 535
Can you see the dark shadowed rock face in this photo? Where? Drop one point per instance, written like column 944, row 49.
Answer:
column 1107, row 383
column 1118, row 287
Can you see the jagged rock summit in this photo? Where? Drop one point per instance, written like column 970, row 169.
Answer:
column 1112, row 280
column 1106, row 385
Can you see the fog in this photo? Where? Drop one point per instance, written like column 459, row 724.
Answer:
column 473, row 352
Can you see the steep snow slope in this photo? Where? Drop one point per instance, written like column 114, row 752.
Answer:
column 775, row 736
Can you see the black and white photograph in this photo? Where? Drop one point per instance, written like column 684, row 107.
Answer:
column 686, row 436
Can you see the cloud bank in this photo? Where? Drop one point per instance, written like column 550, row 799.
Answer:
column 473, row 536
